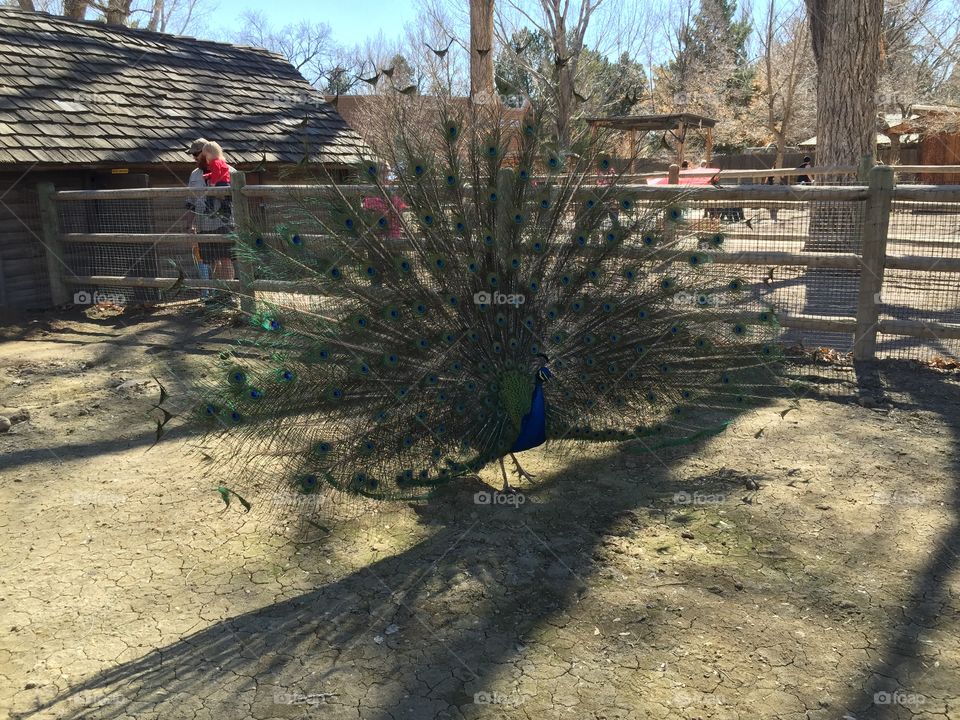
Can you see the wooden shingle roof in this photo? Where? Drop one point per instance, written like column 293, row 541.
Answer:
column 89, row 93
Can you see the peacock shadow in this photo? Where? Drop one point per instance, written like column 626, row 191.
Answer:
column 463, row 602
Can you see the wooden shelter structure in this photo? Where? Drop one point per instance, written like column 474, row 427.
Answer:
column 676, row 124
column 85, row 105
column 938, row 130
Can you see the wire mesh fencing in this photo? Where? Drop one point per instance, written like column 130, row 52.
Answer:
column 798, row 250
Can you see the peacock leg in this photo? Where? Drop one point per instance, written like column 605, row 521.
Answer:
column 506, row 485
column 519, row 470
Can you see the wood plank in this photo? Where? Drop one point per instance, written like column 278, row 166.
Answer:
column 147, row 238
column 154, row 282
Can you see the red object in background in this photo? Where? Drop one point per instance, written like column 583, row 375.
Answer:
column 688, row 177
column 378, row 204
column 217, row 172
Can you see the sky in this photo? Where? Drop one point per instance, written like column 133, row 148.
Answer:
column 351, row 21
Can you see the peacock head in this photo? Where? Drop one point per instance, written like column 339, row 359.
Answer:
column 543, row 373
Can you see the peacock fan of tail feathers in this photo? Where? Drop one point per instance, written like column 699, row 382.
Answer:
column 475, row 294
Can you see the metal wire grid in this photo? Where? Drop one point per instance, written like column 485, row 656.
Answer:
column 159, row 216
column 930, row 230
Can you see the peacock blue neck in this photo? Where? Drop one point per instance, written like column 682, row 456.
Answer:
column 533, row 427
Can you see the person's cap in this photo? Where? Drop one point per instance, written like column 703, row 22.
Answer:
column 196, row 146
column 806, row 158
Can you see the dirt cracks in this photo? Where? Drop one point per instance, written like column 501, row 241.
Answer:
column 796, row 566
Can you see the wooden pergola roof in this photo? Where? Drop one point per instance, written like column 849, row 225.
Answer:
column 647, row 123
column 676, row 124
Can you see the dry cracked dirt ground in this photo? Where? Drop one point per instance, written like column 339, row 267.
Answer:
column 802, row 566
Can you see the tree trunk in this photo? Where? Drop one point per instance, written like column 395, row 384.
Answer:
column 75, row 9
column 845, row 35
column 117, row 12
column 846, row 44
column 481, row 52
column 156, row 15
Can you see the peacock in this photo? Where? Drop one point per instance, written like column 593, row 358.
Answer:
column 474, row 291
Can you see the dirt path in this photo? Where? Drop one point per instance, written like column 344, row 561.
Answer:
column 625, row 585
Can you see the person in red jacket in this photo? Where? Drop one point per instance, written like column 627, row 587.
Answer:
column 218, row 173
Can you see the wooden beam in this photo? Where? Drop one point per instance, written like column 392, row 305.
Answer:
column 241, row 218
column 150, row 282
column 708, row 150
column 873, row 243
column 682, row 142
column 138, row 193
column 57, row 267
column 146, row 238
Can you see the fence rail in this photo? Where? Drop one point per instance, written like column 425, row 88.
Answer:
column 895, row 276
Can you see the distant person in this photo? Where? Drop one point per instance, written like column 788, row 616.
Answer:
column 684, row 165
column 703, row 163
column 218, row 172
column 804, row 179
column 208, row 216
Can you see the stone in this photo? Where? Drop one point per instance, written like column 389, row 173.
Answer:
column 5, row 424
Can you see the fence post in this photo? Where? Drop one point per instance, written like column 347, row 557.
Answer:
column 241, row 219
column 50, row 229
column 873, row 249
column 673, row 174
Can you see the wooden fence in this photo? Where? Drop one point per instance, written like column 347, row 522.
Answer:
column 869, row 263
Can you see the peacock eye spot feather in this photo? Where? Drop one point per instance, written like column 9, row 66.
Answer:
column 211, row 410
column 235, row 416
column 335, row 273
column 258, row 242
column 255, row 394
